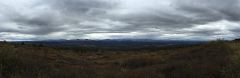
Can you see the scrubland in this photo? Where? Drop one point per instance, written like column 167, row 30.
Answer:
column 217, row 59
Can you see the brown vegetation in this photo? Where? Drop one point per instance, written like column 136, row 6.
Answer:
column 213, row 60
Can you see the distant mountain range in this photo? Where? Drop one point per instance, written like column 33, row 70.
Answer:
column 113, row 42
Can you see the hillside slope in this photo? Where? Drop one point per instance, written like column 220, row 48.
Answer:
column 212, row 60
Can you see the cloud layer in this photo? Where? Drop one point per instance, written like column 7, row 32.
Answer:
column 119, row 19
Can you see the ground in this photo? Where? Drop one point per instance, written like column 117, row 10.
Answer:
column 217, row 59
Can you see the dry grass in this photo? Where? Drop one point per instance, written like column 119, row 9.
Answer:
column 213, row 60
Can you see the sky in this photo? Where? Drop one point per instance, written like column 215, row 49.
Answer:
column 119, row 19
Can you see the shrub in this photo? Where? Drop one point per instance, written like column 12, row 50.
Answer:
column 8, row 63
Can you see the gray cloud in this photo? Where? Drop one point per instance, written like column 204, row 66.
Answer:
column 40, row 24
column 178, row 19
column 212, row 9
column 83, row 9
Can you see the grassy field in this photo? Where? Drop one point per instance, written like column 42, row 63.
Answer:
column 216, row 59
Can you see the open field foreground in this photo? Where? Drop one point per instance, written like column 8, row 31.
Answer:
column 217, row 59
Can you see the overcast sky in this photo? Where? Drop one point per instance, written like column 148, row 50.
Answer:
column 119, row 19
